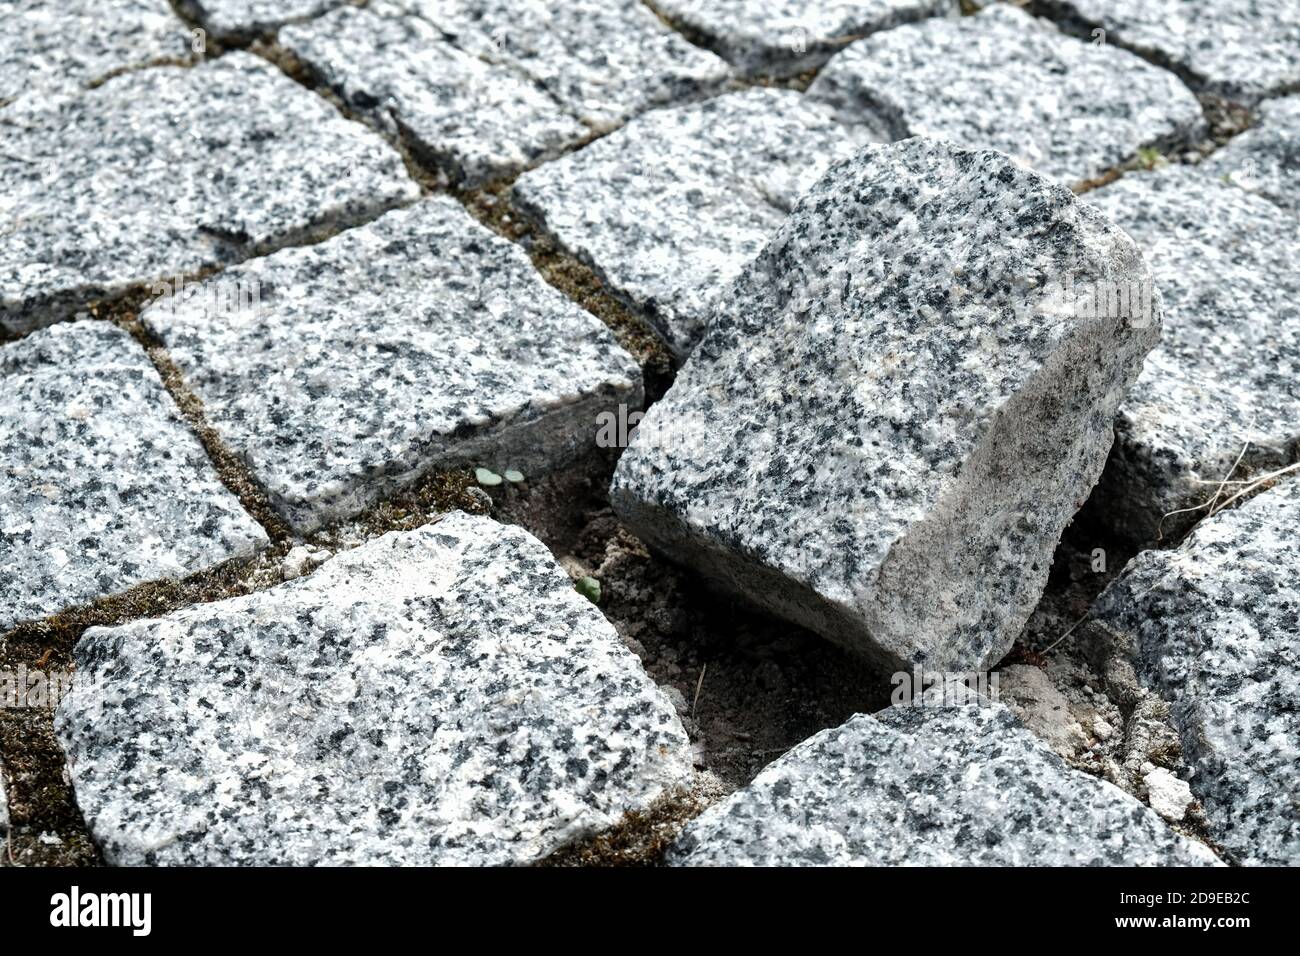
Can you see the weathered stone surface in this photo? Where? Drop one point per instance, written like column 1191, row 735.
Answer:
column 893, row 415
column 1212, row 625
column 420, row 339
column 65, row 46
column 669, row 209
column 1227, row 369
column 784, row 37
column 1005, row 80
column 439, row 696
column 604, row 60
column 922, row 786
column 102, row 486
column 245, row 19
column 1168, row 796
column 1265, row 160
column 1242, row 49
column 472, row 119
column 172, row 170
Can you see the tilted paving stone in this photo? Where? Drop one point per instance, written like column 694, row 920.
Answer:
column 1005, row 80
column 669, row 209
column 419, row 340
column 898, row 405
column 784, row 37
column 604, row 60
column 170, row 170
column 1241, row 49
column 1265, row 160
column 1227, row 369
column 1213, row 628
column 102, row 485
column 930, row 786
column 48, row 48
column 474, row 120
column 245, row 19
column 438, row 696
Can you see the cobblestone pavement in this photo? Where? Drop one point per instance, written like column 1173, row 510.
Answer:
column 324, row 326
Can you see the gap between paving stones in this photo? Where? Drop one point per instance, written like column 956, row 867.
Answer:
column 489, row 204
column 1058, row 12
column 641, row 838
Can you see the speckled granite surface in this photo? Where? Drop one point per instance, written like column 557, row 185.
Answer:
column 61, row 47
column 1005, row 80
column 947, row 786
column 102, row 486
column 603, row 60
column 421, row 339
column 439, row 696
column 1227, row 369
column 471, row 119
column 784, row 37
column 668, row 209
column 1213, row 628
column 170, row 170
column 1265, row 160
column 892, row 417
column 244, row 19
column 1243, row 49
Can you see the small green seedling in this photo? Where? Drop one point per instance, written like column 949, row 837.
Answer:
column 513, row 476
column 1150, row 157
column 486, row 477
column 588, row 588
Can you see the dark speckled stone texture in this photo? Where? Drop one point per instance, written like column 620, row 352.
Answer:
column 1243, row 49
column 170, row 170
column 670, row 208
column 893, row 417
column 784, row 37
column 1005, row 80
column 955, row 786
column 603, row 60
column 249, row 18
column 1266, row 160
column 439, row 696
column 473, row 119
column 1213, row 626
column 419, row 340
column 102, row 486
column 1227, row 369
column 57, row 46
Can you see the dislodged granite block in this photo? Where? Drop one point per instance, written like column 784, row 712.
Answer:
column 1212, row 625
column 419, row 340
column 102, row 485
column 1265, row 160
column 473, row 120
column 1227, row 369
column 1240, row 49
column 930, row 786
column 48, row 47
column 603, row 60
column 669, row 209
column 899, row 405
column 784, row 37
column 439, row 696
column 245, row 19
column 170, row 170
column 1006, row 80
